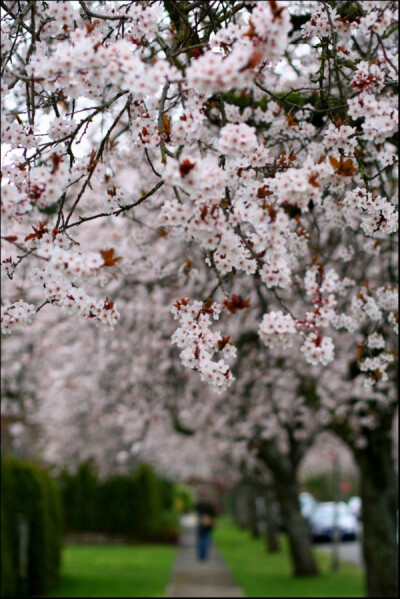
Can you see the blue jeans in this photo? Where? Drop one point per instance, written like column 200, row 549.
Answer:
column 203, row 542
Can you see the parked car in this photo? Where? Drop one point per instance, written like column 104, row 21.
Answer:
column 322, row 521
column 307, row 504
column 354, row 504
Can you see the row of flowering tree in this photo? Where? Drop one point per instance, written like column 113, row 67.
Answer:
column 206, row 161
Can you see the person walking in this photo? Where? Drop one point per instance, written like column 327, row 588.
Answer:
column 206, row 514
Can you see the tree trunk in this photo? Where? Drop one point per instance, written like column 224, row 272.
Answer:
column 303, row 561
column 271, row 533
column 283, row 468
column 252, row 511
column 378, row 480
column 239, row 507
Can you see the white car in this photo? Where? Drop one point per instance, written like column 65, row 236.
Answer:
column 322, row 522
column 354, row 504
column 307, row 504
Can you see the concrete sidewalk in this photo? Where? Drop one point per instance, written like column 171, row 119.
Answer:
column 192, row 578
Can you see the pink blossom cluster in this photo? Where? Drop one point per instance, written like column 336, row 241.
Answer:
column 75, row 265
column 343, row 138
column 200, row 343
column 211, row 72
column 377, row 367
column 188, row 174
column 317, row 284
column 14, row 206
column 379, row 16
column 381, row 117
column 262, row 39
column 189, row 126
column 74, row 300
column 16, row 134
column 240, row 139
column 368, row 77
column 277, row 330
column 270, row 237
column 377, row 214
column 272, row 25
column 117, row 63
column 297, row 186
column 318, row 349
column 16, row 316
column 60, row 19
column 61, row 127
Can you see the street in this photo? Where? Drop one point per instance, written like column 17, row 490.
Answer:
column 349, row 551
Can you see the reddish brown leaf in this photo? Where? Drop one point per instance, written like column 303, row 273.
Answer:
column 291, row 119
column 55, row 160
column 38, row 233
column 263, row 191
column 185, row 167
column 92, row 161
column 179, row 303
column 236, row 302
column 334, row 162
column 188, row 266
column 91, row 26
column 196, row 52
column 347, row 169
column 109, row 258
column 253, row 61
column 203, row 212
column 223, row 342
column 251, row 30
column 276, row 9
column 108, row 304
column 313, row 181
column 344, row 167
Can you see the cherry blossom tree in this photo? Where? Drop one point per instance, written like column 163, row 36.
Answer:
column 211, row 161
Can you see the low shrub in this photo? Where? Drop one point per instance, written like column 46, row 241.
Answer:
column 130, row 505
column 183, row 499
column 117, row 506
column 31, row 513
column 168, row 528
column 147, row 502
column 80, row 493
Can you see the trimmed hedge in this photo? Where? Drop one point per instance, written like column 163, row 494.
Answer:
column 137, row 505
column 147, row 502
column 117, row 506
column 80, row 493
column 29, row 496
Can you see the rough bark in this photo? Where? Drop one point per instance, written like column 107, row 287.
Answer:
column 252, row 511
column 303, row 561
column 378, row 481
column 239, row 507
column 271, row 533
column 283, row 468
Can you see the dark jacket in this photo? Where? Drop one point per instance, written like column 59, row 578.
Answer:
column 206, row 513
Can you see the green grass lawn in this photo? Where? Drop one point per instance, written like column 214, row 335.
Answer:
column 262, row 574
column 115, row 571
